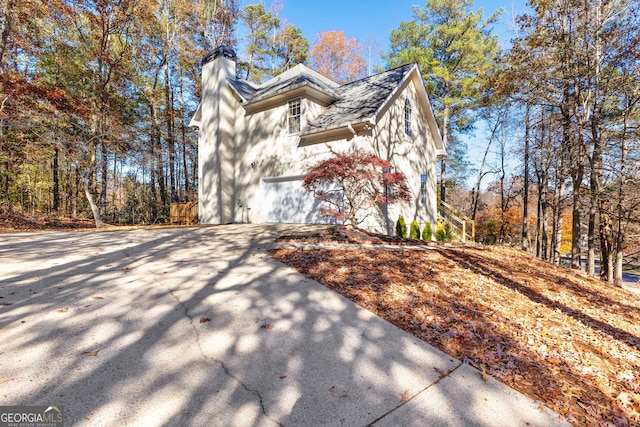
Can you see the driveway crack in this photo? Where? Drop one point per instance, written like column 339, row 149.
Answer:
column 440, row 378
column 219, row 362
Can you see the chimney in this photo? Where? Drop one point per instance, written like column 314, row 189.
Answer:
column 217, row 135
column 223, row 58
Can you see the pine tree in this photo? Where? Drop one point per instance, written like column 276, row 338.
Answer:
column 457, row 54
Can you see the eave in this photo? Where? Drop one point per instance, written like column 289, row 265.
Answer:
column 341, row 132
column 304, row 90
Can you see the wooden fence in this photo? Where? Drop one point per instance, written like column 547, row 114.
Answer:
column 184, row 213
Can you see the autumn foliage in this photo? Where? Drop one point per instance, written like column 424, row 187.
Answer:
column 352, row 186
column 337, row 57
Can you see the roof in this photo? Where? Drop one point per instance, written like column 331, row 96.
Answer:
column 297, row 76
column 360, row 100
column 245, row 89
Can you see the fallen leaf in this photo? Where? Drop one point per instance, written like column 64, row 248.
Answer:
column 283, row 377
column 559, row 337
column 124, row 269
column 91, row 353
column 204, row 320
column 108, row 265
column 268, row 326
column 63, row 310
column 404, row 397
column 483, row 374
column 7, row 303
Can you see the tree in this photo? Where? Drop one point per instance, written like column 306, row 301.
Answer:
column 457, row 54
column 271, row 49
column 261, row 26
column 353, row 186
column 292, row 48
column 214, row 22
column 337, row 57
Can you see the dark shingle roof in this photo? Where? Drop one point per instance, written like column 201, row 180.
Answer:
column 355, row 102
column 359, row 100
column 244, row 88
column 297, row 76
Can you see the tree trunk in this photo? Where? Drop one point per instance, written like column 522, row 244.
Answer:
column 525, row 196
column 443, row 160
column 185, row 165
column 56, row 181
column 169, row 116
column 617, row 273
column 76, row 191
column 606, row 248
column 104, row 176
column 556, row 233
column 92, row 204
column 609, row 270
column 542, row 237
column 575, row 221
column 591, row 239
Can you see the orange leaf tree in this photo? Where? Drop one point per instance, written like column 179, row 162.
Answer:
column 337, row 57
column 352, row 186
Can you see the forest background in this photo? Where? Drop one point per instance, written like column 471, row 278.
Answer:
column 96, row 97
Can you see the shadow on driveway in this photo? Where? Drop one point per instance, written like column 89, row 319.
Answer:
column 198, row 326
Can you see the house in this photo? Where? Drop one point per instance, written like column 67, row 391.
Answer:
column 257, row 140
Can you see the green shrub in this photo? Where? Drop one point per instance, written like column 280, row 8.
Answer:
column 444, row 232
column 414, row 230
column 401, row 227
column 448, row 232
column 427, row 232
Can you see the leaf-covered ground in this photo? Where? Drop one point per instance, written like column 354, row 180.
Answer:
column 558, row 336
column 17, row 221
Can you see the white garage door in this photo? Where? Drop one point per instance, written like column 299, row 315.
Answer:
column 284, row 200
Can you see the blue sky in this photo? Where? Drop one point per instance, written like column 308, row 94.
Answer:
column 363, row 18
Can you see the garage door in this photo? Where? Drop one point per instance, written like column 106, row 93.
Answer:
column 284, row 200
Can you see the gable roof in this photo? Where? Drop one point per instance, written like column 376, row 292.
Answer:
column 359, row 101
column 297, row 76
column 297, row 81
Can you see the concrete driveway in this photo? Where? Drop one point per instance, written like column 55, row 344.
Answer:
column 112, row 327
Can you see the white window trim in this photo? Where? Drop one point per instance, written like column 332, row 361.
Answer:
column 407, row 117
column 289, row 116
column 424, row 189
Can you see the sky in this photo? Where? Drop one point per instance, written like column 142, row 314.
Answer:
column 365, row 19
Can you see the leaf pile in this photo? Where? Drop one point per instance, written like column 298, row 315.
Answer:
column 558, row 336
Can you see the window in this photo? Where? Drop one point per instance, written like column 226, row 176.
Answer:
column 423, row 189
column 389, row 189
column 407, row 117
column 294, row 116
